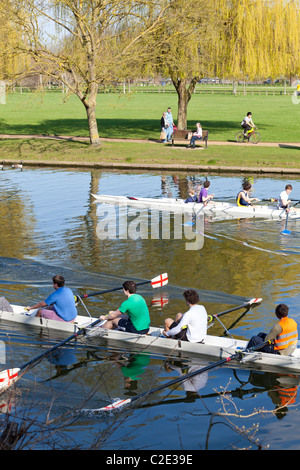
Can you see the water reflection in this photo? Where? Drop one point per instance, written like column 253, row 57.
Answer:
column 132, row 369
column 281, row 389
column 49, row 226
column 194, row 384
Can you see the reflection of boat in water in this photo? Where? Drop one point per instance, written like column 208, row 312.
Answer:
column 220, row 210
column 194, row 384
column 282, row 389
column 132, row 369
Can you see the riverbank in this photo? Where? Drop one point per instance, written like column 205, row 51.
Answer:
column 220, row 156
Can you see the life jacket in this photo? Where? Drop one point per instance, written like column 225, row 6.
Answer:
column 289, row 334
column 241, row 202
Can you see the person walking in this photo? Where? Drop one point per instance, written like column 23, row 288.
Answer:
column 169, row 124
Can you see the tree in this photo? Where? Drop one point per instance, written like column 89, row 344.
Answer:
column 92, row 43
column 234, row 39
column 183, row 55
column 259, row 39
column 11, row 63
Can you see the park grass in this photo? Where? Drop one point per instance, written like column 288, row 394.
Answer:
column 137, row 116
column 148, row 153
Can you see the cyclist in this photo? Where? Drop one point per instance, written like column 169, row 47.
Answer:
column 247, row 123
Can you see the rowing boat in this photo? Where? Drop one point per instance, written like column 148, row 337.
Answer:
column 214, row 347
column 214, row 209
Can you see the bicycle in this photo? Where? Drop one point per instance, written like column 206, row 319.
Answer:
column 252, row 135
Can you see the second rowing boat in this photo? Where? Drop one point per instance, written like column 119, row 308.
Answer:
column 214, row 209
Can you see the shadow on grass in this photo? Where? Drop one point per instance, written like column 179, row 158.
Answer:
column 22, row 148
column 114, row 128
column 286, row 146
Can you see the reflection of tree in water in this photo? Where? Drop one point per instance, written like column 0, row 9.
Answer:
column 17, row 225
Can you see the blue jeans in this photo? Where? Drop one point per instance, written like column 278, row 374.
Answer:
column 169, row 132
column 193, row 141
column 259, row 339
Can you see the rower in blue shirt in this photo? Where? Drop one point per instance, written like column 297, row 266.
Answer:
column 60, row 305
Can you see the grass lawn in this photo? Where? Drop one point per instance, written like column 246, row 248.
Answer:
column 149, row 153
column 137, row 116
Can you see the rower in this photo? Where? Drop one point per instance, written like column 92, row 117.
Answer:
column 190, row 326
column 133, row 314
column 204, row 197
column 192, row 196
column 243, row 198
column 60, row 305
column 283, row 200
column 284, row 334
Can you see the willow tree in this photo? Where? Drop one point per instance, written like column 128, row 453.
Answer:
column 90, row 44
column 11, row 62
column 259, row 39
column 234, row 39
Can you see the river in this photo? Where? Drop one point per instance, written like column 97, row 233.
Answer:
column 50, row 225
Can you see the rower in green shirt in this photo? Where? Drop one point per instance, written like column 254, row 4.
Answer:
column 133, row 314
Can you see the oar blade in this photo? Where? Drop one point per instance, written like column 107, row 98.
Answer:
column 255, row 301
column 160, row 281
column 285, row 231
column 8, row 377
column 115, row 405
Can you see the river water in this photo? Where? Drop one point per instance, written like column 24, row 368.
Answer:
column 50, row 225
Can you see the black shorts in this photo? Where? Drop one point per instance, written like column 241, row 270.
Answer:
column 182, row 334
column 126, row 325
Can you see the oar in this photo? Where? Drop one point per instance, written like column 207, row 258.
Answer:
column 244, row 305
column 285, row 231
column 272, row 199
column 157, row 281
column 9, row 376
column 119, row 403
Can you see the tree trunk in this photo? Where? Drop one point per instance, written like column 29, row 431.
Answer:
column 182, row 110
column 92, row 123
column 184, row 93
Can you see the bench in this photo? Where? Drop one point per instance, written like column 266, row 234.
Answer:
column 183, row 135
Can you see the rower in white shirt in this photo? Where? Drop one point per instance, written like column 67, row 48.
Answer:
column 190, row 326
column 284, row 201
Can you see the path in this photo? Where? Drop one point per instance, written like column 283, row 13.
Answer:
column 151, row 141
